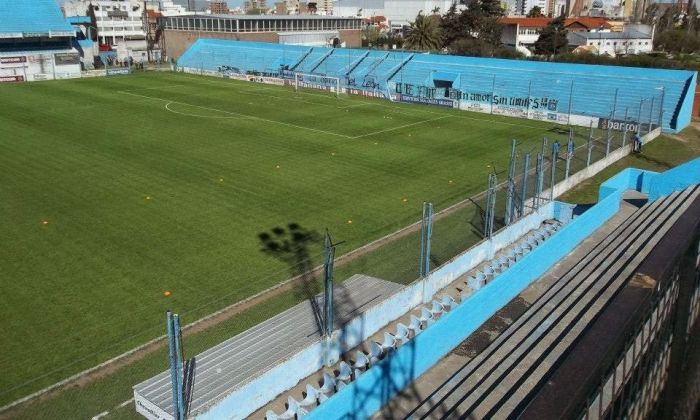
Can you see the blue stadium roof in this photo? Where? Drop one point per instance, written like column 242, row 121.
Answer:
column 27, row 18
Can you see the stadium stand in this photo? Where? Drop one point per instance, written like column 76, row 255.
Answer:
column 566, row 93
column 36, row 42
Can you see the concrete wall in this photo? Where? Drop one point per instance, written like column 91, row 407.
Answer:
column 176, row 42
column 685, row 113
column 676, row 179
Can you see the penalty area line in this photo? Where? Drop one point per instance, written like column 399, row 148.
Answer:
column 402, row 126
column 301, row 127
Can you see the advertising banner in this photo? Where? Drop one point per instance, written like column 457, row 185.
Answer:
column 426, row 101
column 13, row 60
column 119, row 71
column 11, row 79
column 266, row 80
column 63, row 59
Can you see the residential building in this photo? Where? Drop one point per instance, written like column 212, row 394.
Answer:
column 120, row 24
column 218, row 7
column 521, row 33
column 633, row 40
column 180, row 32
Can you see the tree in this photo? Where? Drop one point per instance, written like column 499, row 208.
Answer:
column 552, row 38
column 536, row 11
column 436, row 10
column 424, row 34
column 451, row 28
column 370, row 35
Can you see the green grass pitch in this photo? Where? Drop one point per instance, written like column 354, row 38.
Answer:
column 115, row 190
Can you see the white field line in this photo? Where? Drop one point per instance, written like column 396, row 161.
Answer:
column 106, row 413
column 167, row 106
column 241, row 115
column 236, row 114
column 99, row 416
column 392, row 107
column 157, row 87
column 401, row 126
column 125, row 403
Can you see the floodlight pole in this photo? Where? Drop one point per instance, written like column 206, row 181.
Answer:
column 426, row 234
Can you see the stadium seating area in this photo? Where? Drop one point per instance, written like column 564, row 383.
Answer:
column 578, row 89
column 36, row 16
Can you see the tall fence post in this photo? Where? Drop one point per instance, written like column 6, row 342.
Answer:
column 539, row 180
column 608, row 135
column 614, row 107
column 624, row 128
column 426, row 234
column 571, row 101
column 328, row 258
column 590, row 144
column 553, row 175
column 529, row 93
column 510, row 188
column 490, row 206
column 173, row 360
column 651, row 112
column 661, row 107
column 179, row 402
column 523, row 193
column 569, row 155
column 639, row 118
column 493, row 91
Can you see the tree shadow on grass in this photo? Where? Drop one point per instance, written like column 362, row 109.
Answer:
column 291, row 246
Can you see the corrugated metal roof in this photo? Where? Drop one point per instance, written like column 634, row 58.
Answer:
column 31, row 17
column 238, row 360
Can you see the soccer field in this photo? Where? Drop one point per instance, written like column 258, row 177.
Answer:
column 116, row 190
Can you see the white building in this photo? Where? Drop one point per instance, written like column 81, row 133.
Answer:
column 523, row 7
column 398, row 13
column 168, row 8
column 630, row 41
column 360, row 8
column 120, row 23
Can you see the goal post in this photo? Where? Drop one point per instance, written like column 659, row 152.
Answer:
column 316, row 81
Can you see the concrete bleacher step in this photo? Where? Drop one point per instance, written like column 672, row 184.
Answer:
column 494, row 372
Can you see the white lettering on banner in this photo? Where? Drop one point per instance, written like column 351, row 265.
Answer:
column 150, row 410
column 267, row 80
column 11, row 79
column 13, row 60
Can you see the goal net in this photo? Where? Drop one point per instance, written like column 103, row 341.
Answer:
column 315, row 81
